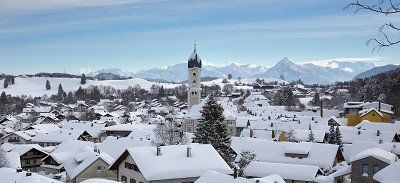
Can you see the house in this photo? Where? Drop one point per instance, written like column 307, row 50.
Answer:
column 121, row 130
column 350, row 134
column 26, row 156
column 88, row 163
column 356, row 112
column 352, row 150
column 169, row 164
column 369, row 162
column 256, row 99
column 390, row 174
column 304, row 159
column 53, row 163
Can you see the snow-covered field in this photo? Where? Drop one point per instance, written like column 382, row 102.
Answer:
column 35, row 86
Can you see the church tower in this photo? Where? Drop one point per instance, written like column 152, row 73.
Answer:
column 194, row 82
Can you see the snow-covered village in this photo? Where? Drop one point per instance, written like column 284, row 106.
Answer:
column 112, row 92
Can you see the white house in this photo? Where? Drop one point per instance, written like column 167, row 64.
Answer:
column 172, row 164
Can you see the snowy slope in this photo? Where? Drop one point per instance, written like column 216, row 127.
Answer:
column 36, row 86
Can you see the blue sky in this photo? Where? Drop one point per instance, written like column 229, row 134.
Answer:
column 71, row 36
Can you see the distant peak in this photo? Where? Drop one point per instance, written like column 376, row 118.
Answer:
column 285, row 60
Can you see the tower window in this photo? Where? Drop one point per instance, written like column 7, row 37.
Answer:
column 194, row 81
column 194, row 74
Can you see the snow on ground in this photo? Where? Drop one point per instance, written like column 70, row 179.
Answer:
column 35, row 86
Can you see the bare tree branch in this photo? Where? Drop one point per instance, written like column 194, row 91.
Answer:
column 384, row 7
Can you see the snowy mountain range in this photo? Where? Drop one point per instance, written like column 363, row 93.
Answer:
column 313, row 72
column 376, row 70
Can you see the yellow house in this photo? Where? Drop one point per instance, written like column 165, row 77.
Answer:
column 372, row 115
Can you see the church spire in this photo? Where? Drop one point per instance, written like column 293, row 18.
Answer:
column 195, row 45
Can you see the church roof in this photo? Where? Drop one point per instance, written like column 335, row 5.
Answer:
column 194, row 60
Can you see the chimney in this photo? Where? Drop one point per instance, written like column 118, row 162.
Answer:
column 378, row 133
column 189, row 151
column 251, row 133
column 322, row 108
column 379, row 105
column 272, row 124
column 273, row 134
column 158, row 150
column 359, row 132
column 19, row 170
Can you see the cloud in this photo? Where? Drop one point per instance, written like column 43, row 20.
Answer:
column 84, row 70
column 31, row 5
column 325, row 62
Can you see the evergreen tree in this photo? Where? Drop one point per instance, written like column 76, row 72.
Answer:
column 83, row 79
column 311, row 136
column 80, row 93
column 3, row 97
column 5, row 83
column 331, row 136
column 60, row 93
column 338, row 138
column 12, row 80
column 95, row 94
column 48, row 86
column 315, row 100
column 69, row 98
column 212, row 129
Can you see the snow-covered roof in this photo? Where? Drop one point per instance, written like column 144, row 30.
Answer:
column 368, row 110
column 286, row 171
column 114, row 146
column 120, row 127
column 389, row 174
column 173, row 162
column 351, row 150
column 350, row 134
column 377, row 153
column 78, row 162
column 386, row 108
column 367, row 125
column 321, row 155
column 10, row 175
column 21, row 149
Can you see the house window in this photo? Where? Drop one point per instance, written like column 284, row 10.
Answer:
column 98, row 168
column 376, row 169
column 126, row 165
column 124, row 179
column 132, row 181
column 364, row 170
